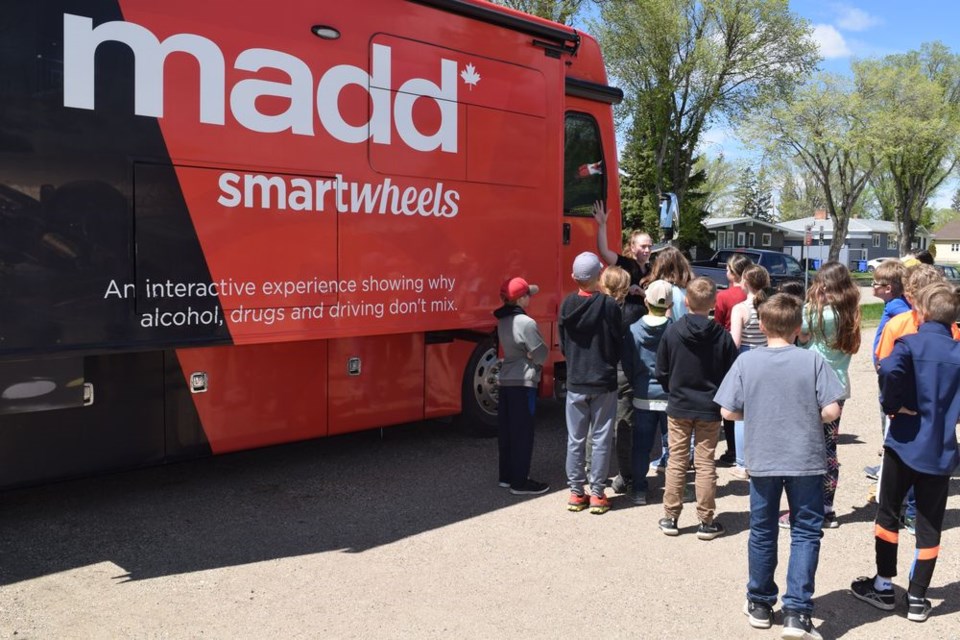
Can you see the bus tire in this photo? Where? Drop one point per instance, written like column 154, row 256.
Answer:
column 480, row 391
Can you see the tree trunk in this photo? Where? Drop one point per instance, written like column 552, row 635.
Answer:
column 907, row 228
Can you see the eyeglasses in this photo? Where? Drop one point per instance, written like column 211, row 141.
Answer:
column 879, row 284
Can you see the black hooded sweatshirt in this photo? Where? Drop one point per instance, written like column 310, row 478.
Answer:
column 692, row 360
column 591, row 339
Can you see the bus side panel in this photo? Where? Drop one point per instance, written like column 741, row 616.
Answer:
column 258, row 395
column 443, row 369
column 388, row 388
column 122, row 429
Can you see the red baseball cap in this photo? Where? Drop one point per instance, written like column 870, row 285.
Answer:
column 515, row 288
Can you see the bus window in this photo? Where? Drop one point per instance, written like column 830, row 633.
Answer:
column 584, row 179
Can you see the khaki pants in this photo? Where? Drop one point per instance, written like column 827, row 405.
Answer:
column 705, row 434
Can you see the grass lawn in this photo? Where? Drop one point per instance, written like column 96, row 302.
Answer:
column 870, row 314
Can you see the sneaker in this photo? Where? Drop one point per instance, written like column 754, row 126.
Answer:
column 798, row 625
column 760, row 614
column 599, row 505
column 503, row 484
column 709, row 531
column 620, row 484
column 640, row 498
column 918, row 609
column 871, row 472
column 726, row 460
column 784, row 521
column 739, row 473
column 530, row 488
column 863, row 589
column 669, row 526
column 577, row 502
column 909, row 524
column 830, row 520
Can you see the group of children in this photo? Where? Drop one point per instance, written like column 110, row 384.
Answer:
column 687, row 370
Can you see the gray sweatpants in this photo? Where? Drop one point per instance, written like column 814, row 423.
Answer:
column 585, row 411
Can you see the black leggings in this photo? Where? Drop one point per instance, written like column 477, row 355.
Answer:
column 931, row 492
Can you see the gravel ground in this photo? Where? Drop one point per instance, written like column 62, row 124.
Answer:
column 404, row 534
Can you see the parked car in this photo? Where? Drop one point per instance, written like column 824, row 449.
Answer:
column 951, row 273
column 872, row 264
column 780, row 266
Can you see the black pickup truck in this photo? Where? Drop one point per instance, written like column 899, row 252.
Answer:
column 780, row 266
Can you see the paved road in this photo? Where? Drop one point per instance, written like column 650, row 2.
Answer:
column 405, row 534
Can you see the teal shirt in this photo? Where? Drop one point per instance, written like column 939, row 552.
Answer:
column 820, row 343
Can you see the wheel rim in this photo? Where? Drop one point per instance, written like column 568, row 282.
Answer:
column 486, row 382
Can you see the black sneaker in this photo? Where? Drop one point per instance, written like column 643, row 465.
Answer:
column 760, row 614
column 503, row 484
column 620, row 484
column 798, row 625
column 863, row 589
column 640, row 498
column 830, row 520
column 669, row 526
column 918, row 609
column 709, row 531
column 530, row 488
column 726, row 460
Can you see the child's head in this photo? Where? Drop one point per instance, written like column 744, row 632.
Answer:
column 781, row 316
column 756, row 279
column 737, row 263
column 586, row 270
column 514, row 290
column 792, row 288
column 659, row 297
column 701, row 295
column 939, row 302
column 672, row 266
column 615, row 282
column 888, row 280
column 833, row 287
column 920, row 276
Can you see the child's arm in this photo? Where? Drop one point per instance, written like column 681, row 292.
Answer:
column 896, row 379
column 830, row 412
column 662, row 370
column 731, row 415
column 537, row 350
column 736, row 324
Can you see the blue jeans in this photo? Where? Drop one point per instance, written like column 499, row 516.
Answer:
column 645, row 425
column 805, row 500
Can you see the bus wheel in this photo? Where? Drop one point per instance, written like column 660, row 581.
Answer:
column 481, row 390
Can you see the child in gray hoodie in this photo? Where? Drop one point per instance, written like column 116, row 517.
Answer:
column 524, row 352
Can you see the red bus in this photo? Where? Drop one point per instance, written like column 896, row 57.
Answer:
column 229, row 225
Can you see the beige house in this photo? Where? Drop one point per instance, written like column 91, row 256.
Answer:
column 947, row 241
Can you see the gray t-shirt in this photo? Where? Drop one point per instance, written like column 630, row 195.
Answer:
column 780, row 391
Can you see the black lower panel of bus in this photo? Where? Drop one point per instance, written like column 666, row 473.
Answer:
column 123, row 428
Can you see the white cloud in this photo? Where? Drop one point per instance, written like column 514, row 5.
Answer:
column 830, row 42
column 853, row 19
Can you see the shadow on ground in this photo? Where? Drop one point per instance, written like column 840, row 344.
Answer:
column 348, row 493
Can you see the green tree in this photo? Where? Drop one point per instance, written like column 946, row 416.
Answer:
column 916, row 104
column 562, row 11
column 800, row 193
column 718, row 188
column 687, row 64
column 753, row 197
column 826, row 128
